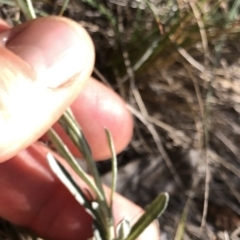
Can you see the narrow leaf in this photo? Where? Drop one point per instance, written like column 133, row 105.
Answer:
column 74, row 131
column 69, row 183
column 75, row 190
column 65, row 4
column 64, row 151
column 153, row 211
column 31, row 9
column 24, row 6
column 114, row 166
column 123, row 229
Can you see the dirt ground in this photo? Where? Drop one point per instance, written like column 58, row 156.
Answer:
column 186, row 102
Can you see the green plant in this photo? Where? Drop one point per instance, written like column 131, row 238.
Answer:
column 98, row 207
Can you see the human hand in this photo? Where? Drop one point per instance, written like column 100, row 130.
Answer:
column 36, row 60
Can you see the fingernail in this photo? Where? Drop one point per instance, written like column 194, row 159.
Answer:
column 53, row 47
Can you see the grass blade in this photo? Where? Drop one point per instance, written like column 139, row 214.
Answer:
column 31, row 9
column 114, row 166
column 153, row 211
column 26, row 8
column 74, row 131
column 63, row 150
column 69, row 183
column 76, row 191
column 123, row 229
column 65, row 4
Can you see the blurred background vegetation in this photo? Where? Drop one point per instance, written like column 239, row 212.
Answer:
column 177, row 65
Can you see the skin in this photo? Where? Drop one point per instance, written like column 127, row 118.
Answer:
column 30, row 194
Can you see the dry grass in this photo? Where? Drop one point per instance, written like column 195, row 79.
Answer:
column 177, row 64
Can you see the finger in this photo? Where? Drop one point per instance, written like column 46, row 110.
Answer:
column 31, row 196
column 95, row 108
column 44, row 64
column 3, row 25
column 108, row 110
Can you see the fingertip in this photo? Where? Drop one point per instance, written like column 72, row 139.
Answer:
column 40, row 77
column 98, row 107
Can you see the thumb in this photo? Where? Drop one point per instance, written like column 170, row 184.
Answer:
column 44, row 64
